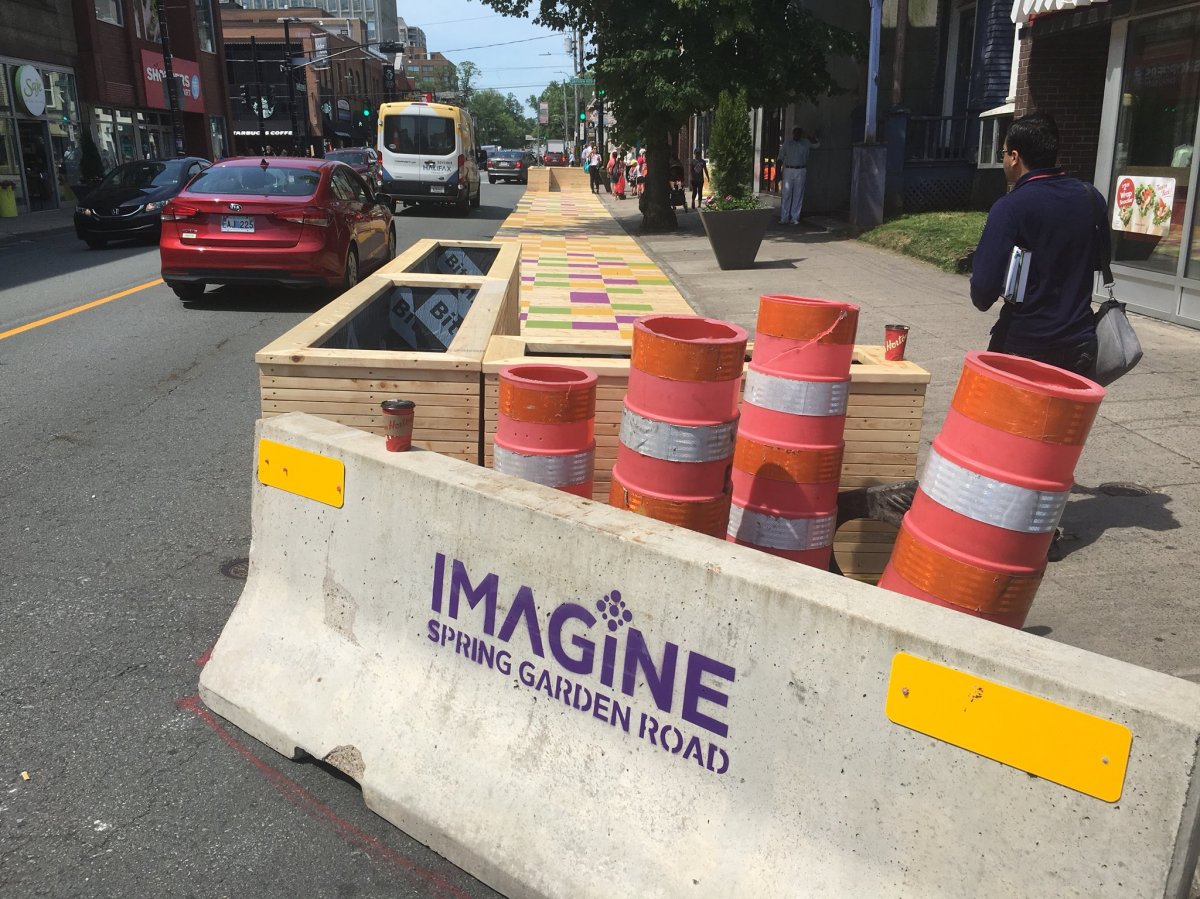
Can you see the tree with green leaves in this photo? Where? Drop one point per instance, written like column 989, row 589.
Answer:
column 554, row 95
column 660, row 61
column 499, row 119
column 467, row 74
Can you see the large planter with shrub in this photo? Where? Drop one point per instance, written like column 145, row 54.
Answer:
column 735, row 234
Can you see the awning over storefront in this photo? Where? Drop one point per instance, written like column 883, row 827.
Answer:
column 1024, row 10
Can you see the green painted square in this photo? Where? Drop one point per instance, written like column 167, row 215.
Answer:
column 530, row 323
column 623, row 290
column 549, row 310
column 632, row 307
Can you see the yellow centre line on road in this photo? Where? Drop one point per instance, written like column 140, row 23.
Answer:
column 92, row 305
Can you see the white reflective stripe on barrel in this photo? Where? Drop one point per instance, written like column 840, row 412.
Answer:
column 991, row 501
column 796, row 397
column 552, row 471
column 677, row 443
column 775, row 532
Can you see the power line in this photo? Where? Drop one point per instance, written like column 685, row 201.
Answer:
column 455, row 21
column 525, row 40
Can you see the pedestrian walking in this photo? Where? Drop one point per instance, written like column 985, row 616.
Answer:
column 793, row 161
column 1061, row 224
column 699, row 172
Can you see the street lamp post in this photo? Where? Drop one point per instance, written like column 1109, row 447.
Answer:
column 258, row 92
column 169, row 75
column 291, row 81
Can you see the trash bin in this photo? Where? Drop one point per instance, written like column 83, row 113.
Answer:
column 8, row 200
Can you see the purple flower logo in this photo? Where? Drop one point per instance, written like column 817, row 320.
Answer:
column 612, row 609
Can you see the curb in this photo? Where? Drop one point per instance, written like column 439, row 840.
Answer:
column 39, row 232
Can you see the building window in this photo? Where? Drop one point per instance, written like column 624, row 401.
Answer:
column 204, row 25
column 110, row 11
column 1156, row 131
column 992, row 132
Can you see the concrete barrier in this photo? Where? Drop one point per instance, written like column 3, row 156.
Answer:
column 568, row 700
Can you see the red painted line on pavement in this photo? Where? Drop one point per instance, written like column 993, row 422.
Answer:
column 306, row 802
column 203, row 660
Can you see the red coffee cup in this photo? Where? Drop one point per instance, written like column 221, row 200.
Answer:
column 894, row 339
column 399, row 417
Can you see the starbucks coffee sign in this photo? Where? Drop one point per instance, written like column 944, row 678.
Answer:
column 29, row 90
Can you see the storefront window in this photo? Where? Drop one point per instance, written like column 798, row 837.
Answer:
column 1156, row 130
column 114, row 137
column 109, row 11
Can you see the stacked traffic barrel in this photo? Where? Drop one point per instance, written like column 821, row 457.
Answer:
column 545, row 427
column 994, row 488
column 679, row 421
column 788, row 459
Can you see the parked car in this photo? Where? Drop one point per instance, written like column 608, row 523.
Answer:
column 128, row 202
column 291, row 221
column 510, row 165
column 363, row 160
column 555, row 157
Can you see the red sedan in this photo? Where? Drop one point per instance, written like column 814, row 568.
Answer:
column 291, row 221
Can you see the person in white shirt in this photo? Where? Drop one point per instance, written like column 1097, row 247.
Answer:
column 793, row 165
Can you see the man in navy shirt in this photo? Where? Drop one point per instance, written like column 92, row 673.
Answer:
column 1063, row 224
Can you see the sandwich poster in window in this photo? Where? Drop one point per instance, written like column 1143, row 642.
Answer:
column 1143, row 205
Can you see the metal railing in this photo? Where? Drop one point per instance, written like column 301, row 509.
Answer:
column 938, row 139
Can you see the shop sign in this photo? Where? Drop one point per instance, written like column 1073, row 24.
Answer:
column 1143, row 205
column 30, row 89
column 154, row 80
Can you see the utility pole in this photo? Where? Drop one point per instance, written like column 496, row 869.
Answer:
column 169, row 75
column 258, row 91
column 291, row 81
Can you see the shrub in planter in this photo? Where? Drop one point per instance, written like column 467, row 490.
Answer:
column 733, row 218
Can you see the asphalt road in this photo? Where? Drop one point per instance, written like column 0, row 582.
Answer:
column 125, row 471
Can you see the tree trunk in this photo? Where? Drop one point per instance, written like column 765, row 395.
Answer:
column 657, row 213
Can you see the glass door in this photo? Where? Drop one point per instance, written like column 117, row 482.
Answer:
column 36, row 161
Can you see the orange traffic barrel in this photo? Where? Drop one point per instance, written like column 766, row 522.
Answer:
column 679, row 421
column 788, row 459
column 545, row 427
column 994, row 487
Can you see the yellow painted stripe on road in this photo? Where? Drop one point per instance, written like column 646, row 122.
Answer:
column 301, row 472
column 1055, row 742
column 86, row 306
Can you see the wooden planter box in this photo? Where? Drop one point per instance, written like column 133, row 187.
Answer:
column 409, row 332
column 883, row 427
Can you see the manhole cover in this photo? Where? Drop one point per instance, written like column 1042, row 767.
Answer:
column 1122, row 488
column 236, row 569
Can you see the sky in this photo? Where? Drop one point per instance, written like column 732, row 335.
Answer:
column 460, row 29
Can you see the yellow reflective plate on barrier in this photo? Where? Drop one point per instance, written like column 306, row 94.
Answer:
column 1055, row 742
column 298, row 471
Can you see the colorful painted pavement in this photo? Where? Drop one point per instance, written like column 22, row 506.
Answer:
column 582, row 277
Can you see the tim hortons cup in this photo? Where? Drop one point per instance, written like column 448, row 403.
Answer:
column 894, row 339
column 399, row 417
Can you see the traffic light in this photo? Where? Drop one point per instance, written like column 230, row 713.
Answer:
column 601, row 93
column 390, row 47
column 246, row 94
column 583, row 116
column 366, row 111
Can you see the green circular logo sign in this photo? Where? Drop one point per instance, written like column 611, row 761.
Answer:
column 29, row 89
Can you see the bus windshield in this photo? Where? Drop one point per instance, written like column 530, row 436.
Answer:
column 419, row 135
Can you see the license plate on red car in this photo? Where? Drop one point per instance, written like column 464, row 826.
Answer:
column 239, row 223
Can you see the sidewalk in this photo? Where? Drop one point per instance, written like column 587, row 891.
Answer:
column 37, row 224
column 1126, row 586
